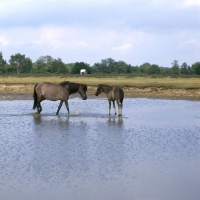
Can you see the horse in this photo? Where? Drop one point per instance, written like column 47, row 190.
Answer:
column 53, row 92
column 113, row 94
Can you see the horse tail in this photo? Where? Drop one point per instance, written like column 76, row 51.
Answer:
column 35, row 97
column 121, row 91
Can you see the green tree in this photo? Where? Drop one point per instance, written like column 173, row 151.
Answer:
column 184, row 68
column 43, row 65
column 80, row 65
column 175, row 67
column 144, row 68
column 2, row 64
column 9, row 69
column 165, row 70
column 96, row 68
column 154, row 69
column 59, row 67
column 135, row 70
column 69, row 67
column 190, row 71
column 16, row 61
column 122, row 68
column 26, row 65
column 108, row 65
column 196, row 68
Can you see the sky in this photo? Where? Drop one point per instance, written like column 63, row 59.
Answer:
column 133, row 31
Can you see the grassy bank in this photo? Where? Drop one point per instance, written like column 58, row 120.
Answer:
column 21, row 87
column 115, row 80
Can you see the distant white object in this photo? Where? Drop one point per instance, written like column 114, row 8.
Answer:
column 83, row 71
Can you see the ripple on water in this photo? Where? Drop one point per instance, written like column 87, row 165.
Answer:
column 151, row 152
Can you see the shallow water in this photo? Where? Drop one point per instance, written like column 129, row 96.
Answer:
column 151, row 152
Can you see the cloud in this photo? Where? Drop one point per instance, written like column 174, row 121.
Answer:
column 87, row 30
column 191, row 42
column 123, row 47
column 189, row 3
column 4, row 41
column 71, row 43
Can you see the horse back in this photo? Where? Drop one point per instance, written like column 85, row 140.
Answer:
column 118, row 93
column 51, row 91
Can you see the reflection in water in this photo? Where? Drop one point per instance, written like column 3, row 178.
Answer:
column 38, row 118
column 141, row 155
column 115, row 120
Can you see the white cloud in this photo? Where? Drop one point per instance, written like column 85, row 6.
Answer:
column 69, row 42
column 73, row 37
column 188, row 3
column 123, row 47
column 88, row 30
column 4, row 41
column 193, row 42
column 165, row 2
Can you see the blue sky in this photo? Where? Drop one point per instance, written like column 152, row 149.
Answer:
column 154, row 31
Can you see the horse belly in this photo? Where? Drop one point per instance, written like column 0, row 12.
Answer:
column 114, row 95
column 117, row 93
column 52, row 94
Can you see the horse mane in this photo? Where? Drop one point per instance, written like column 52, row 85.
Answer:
column 64, row 83
column 72, row 87
column 104, row 85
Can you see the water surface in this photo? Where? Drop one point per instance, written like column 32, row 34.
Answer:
column 151, row 152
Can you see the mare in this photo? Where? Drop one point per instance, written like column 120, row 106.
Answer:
column 53, row 92
column 113, row 94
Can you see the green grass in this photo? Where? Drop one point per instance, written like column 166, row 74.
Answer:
column 115, row 80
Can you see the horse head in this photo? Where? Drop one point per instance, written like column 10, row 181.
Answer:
column 99, row 90
column 82, row 91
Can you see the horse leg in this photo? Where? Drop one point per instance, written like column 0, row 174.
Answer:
column 60, row 105
column 67, row 106
column 39, row 107
column 114, row 107
column 109, row 101
column 119, row 108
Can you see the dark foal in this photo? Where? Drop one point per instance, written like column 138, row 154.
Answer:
column 113, row 94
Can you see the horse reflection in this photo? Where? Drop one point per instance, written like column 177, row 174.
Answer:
column 39, row 119
column 113, row 121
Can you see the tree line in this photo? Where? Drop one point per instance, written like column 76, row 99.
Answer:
column 19, row 64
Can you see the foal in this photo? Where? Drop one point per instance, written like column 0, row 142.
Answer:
column 113, row 94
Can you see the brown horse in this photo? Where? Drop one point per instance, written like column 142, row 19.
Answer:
column 113, row 94
column 54, row 92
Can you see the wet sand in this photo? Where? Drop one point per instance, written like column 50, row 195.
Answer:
column 25, row 92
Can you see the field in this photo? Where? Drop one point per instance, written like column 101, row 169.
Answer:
column 116, row 80
column 135, row 86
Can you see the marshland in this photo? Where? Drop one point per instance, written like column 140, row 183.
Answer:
column 165, row 87
column 152, row 151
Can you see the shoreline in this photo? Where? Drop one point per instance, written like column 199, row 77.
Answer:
column 25, row 92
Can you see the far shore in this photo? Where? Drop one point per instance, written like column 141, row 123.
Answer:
column 25, row 92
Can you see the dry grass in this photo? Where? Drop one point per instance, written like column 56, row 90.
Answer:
column 134, row 86
column 130, row 81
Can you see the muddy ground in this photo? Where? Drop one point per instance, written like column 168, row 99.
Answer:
column 25, row 92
